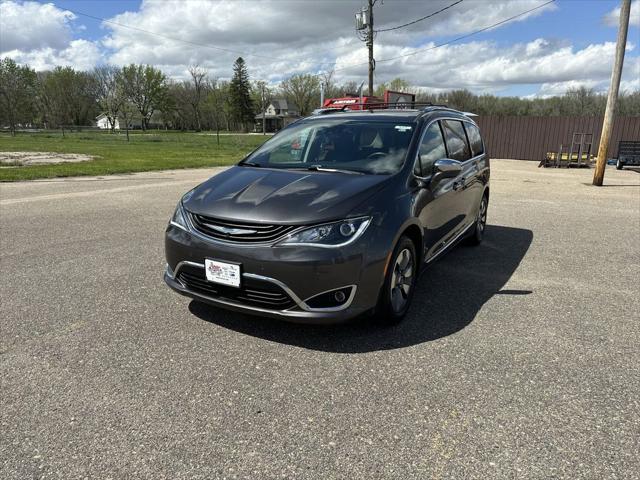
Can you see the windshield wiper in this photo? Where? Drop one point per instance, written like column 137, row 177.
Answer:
column 320, row 168
column 249, row 164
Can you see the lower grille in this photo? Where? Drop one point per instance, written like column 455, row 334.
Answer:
column 253, row 292
column 238, row 232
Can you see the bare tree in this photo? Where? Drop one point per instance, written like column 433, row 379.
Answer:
column 330, row 87
column 107, row 95
column 126, row 109
column 302, row 89
column 199, row 79
column 216, row 100
column 261, row 94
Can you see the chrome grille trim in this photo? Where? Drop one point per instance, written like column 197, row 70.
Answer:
column 238, row 232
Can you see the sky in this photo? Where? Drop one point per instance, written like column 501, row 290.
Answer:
column 563, row 44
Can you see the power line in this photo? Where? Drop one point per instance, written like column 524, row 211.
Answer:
column 419, row 19
column 415, row 52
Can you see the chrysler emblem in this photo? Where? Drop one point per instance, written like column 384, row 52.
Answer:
column 231, row 231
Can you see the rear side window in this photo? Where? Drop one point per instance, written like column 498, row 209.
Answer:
column 431, row 149
column 456, row 140
column 473, row 132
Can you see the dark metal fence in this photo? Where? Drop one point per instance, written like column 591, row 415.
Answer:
column 530, row 138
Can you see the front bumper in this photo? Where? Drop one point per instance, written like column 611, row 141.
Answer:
column 301, row 272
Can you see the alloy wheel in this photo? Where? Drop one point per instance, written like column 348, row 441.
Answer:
column 482, row 217
column 402, row 280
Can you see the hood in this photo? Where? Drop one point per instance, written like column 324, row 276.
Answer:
column 281, row 196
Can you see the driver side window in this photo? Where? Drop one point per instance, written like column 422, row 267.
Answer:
column 431, row 149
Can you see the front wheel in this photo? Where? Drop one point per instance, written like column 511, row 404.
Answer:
column 619, row 165
column 399, row 283
column 481, row 223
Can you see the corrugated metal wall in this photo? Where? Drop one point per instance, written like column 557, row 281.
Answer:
column 530, row 138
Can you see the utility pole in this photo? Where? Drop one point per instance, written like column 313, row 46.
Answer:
column 264, row 120
column 365, row 32
column 607, row 124
column 372, row 64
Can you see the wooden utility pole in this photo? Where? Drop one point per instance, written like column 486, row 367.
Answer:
column 372, row 64
column 264, row 120
column 365, row 32
column 607, row 124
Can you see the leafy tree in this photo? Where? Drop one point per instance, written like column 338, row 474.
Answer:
column 303, row 90
column 68, row 97
column 145, row 87
column 177, row 111
column 240, row 94
column 108, row 92
column 17, row 93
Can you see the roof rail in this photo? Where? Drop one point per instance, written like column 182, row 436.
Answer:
column 434, row 106
column 325, row 111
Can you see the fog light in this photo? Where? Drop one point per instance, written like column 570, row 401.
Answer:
column 331, row 299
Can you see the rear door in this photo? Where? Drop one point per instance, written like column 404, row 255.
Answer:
column 480, row 164
column 458, row 149
column 437, row 205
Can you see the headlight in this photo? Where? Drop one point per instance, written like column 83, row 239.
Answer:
column 178, row 218
column 329, row 235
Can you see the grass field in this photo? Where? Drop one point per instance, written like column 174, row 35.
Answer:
column 145, row 151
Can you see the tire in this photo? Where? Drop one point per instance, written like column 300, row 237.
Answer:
column 619, row 165
column 481, row 223
column 399, row 284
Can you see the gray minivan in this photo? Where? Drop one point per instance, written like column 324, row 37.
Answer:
column 334, row 216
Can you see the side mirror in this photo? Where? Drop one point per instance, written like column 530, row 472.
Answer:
column 446, row 168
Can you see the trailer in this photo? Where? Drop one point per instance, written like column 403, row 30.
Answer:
column 355, row 102
column 628, row 154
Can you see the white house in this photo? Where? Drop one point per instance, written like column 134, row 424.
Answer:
column 278, row 114
column 103, row 122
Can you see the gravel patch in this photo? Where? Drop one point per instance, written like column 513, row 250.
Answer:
column 19, row 159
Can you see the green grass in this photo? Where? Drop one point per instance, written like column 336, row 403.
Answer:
column 151, row 151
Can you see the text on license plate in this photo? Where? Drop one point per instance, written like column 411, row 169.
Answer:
column 222, row 273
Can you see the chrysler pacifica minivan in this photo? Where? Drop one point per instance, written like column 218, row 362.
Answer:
column 334, row 216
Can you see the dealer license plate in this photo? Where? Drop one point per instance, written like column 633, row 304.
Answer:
column 222, row 272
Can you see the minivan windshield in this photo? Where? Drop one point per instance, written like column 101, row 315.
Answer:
column 369, row 147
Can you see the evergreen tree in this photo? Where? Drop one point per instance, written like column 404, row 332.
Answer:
column 240, row 95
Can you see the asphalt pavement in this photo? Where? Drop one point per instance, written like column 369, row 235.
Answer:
column 519, row 358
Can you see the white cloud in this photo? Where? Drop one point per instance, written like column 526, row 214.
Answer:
column 299, row 35
column 612, row 19
column 31, row 25
column 282, row 37
column 41, row 35
column 80, row 54
column 486, row 67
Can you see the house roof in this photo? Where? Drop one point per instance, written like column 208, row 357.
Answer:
column 283, row 104
column 279, row 103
